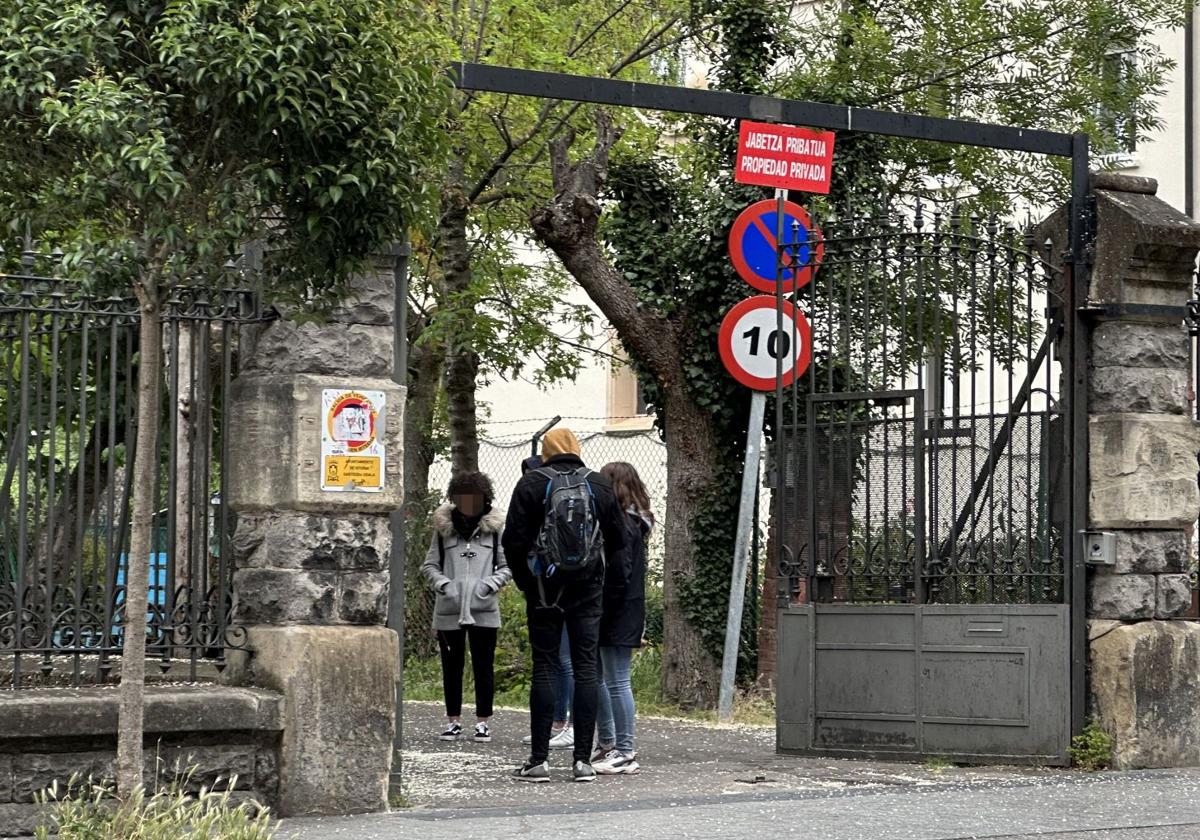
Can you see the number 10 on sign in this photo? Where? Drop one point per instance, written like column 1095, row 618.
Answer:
column 755, row 351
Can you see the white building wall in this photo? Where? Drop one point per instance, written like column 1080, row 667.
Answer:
column 1162, row 156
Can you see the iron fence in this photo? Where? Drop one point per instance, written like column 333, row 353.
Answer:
column 69, row 368
column 921, row 462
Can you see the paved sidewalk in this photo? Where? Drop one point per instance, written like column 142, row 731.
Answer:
column 703, row 781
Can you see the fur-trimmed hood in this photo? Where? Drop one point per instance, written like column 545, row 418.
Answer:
column 492, row 522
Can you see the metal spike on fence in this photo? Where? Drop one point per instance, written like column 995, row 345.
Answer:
column 28, row 256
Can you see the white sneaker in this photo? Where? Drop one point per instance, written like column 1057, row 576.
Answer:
column 601, row 764
column 622, row 764
column 564, row 740
column 528, row 739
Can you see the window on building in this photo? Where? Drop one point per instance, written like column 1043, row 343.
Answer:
column 643, row 405
column 628, row 407
column 1117, row 73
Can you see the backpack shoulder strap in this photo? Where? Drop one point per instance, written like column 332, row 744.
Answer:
column 495, row 550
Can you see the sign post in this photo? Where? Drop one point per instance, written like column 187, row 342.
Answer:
column 763, row 341
column 741, row 554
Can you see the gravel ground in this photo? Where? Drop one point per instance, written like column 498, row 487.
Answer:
column 680, row 760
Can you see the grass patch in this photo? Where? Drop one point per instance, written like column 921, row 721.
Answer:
column 1092, row 751
column 937, row 765
column 423, row 682
column 91, row 810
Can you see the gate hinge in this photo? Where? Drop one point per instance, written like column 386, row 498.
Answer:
column 1089, row 231
column 1191, row 321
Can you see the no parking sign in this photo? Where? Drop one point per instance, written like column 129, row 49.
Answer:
column 753, row 246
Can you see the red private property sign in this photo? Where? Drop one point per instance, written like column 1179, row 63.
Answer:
column 786, row 157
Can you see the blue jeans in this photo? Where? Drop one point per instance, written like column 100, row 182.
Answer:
column 614, row 707
column 564, row 680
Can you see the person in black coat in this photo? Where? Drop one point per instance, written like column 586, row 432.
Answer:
column 553, row 602
column 562, row 734
column 622, row 625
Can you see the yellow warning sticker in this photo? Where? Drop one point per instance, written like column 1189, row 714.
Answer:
column 353, row 472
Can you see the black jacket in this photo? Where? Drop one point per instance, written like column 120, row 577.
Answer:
column 528, row 509
column 624, row 618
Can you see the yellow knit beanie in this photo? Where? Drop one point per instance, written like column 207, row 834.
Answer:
column 559, row 442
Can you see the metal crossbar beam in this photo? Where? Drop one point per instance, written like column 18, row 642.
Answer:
column 718, row 103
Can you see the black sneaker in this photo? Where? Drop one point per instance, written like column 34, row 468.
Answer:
column 483, row 732
column 529, row 772
column 452, row 732
column 584, row 772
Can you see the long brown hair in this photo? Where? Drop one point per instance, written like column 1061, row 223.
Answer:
column 627, row 484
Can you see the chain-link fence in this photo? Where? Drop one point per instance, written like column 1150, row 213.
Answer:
column 501, row 457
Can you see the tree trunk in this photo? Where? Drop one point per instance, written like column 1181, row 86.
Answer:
column 424, row 375
column 185, row 440
column 73, row 509
column 462, row 362
column 133, row 659
column 568, row 227
column 425, row 364
column 690, row 673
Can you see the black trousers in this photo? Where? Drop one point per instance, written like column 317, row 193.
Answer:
column 453, row 646
column 579, row 611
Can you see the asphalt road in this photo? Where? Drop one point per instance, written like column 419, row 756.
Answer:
column 704, row 782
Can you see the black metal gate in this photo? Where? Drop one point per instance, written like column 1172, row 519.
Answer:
column 922, row 524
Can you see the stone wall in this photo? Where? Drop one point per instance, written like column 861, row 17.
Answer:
column 1143, row 668
column 197, row 735
column 311, row 564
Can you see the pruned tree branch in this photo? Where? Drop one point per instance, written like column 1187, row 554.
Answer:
column 568, row 227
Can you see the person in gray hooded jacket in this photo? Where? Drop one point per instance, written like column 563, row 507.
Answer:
column 465, row 566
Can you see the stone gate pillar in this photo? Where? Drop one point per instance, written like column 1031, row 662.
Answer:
column 1143, row 666
column 315, row 427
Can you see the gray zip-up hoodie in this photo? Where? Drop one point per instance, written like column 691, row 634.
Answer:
column 469, row 574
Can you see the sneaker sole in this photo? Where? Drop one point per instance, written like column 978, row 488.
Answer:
column 531, row 778
column 483, row 740
column 585, row 778
column 449, row 737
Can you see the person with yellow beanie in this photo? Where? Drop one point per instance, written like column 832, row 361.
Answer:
column 566, row 519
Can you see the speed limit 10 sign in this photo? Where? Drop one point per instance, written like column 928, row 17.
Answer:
column 752, row 345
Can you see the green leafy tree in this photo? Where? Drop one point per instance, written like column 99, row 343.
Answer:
column 484, row 303
column 482, row 307
column 656, row 265
column 163, row 136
